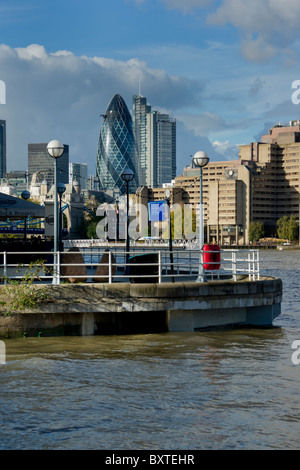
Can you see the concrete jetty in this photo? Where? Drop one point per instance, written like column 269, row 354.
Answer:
column 126, row 308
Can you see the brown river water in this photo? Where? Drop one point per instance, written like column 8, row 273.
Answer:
column 231, row 389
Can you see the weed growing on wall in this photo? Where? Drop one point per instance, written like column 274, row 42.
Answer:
column 23, row 293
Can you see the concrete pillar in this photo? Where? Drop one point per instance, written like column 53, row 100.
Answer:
column 87, row 324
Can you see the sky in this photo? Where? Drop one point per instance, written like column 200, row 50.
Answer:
column 224, row 69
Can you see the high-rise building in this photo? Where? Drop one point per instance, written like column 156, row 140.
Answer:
column 274, row 162
column 40, row 161
column 165, row 129
column 262, row 186
column 79, row 171
column 140, row 112
column 2, row 148
column 116, row 147
column 155, row 137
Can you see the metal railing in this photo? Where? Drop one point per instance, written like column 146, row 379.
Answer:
column 234, row 265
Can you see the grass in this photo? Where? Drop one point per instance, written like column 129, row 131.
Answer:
column 23, row 293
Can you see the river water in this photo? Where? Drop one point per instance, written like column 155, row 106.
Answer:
column 217, row 390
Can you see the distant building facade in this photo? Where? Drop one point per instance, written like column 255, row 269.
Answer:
column 80, row 172
column 155, row 137
column 263, row 185
column 274, row 165
column 39, row 161
column 116, row 147
column 225, row 196
column 14, row 183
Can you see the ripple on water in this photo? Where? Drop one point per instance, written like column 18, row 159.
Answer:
column 211, row 390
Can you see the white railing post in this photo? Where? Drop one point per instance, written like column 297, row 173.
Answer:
column 58, row 268
column 249, row 266
column 234, row 265
column 159, row 267
column 258, row 266
column 4, row 266
column 109, row 268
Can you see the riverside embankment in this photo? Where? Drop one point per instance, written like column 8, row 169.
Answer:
column 125, row 308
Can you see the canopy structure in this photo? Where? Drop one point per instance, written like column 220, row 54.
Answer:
column 15, row 208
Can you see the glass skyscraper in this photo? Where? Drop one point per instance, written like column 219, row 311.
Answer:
column 140, row 111
column 155, row 137
column 116, row 147
column 39, row 160
column 2, row 148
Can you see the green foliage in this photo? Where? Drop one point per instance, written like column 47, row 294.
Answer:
column 88, row 227
column 23, row 293
column 180, row 227
column 256, row 231
column 287, row 228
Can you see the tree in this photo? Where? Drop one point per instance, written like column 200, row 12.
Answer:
column 293, row 228
column 287, row 228
column 256, row 231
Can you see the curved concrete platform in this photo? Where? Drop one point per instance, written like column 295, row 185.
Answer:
column 124, row 308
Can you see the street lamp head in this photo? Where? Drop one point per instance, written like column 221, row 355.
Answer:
column 55, row 148
column 127, row 175
column 200, row 159
column 60, row 188
column 25, row 195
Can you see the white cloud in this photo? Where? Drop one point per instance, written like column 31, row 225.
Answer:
column 203, row 124
column 61, row 95
column 226, row 149
column 267, row 26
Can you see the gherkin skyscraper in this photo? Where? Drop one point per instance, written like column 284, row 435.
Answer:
column 116, row 147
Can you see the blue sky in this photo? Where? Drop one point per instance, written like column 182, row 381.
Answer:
column 223, row 68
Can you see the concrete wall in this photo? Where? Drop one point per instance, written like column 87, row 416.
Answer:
column 132, row 308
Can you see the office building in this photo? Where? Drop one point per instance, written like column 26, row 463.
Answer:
column 14, row 183
column 116, row 147
column 155, row 138
column 140, row 111
column 2, row 148
column 79, row 171
column 274, row 164
column 39, row 161
column 226, row 201
column 263, row 185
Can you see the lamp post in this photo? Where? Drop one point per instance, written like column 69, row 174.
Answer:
column 167, row 194
column 55, row 150
column 200, row 160
column 117, row 219
column 60, row 189
column 127, row 176
column 25, row 195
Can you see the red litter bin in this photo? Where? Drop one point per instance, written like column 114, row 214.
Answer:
column 211, row 257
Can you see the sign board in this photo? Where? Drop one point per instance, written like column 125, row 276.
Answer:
column 157, row 211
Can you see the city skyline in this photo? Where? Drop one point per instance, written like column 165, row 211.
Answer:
column 223, row 69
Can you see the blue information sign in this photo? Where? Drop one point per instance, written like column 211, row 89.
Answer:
column 156, row 211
